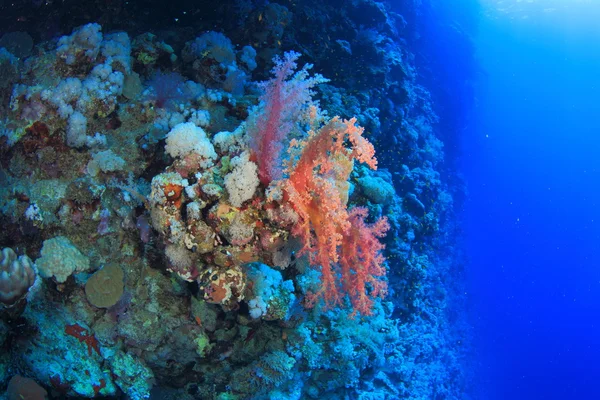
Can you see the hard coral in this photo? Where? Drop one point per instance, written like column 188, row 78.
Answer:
column 17, row 275
column 105, row 287
column 60, row 259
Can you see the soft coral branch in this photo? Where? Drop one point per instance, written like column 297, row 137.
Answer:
column 284, row 97
column 317, row 190
column 361, row 261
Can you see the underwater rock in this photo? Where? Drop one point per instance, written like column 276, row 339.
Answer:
column 147, row 51
column 18, row 43
column 376, row 189
column 65, row 354
column 22, row 388
column 413, row 204
column 9, row 71
column 132, row 375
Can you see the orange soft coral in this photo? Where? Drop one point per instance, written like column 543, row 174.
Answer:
column 361, row 261
column 317, row 190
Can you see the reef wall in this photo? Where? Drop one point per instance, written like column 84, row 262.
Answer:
column 235, row 201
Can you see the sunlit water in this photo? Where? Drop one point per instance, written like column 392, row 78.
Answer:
column 532, row 160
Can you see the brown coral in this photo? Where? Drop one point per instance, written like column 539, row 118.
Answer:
column 17, row 275
column 105, row 287
column 21, row 388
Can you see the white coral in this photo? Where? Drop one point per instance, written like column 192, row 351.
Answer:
column 76, row 130
column 60, row 258
column 105, row 161
column 228, row 142
column 84, row 41
column 185, row 139
column 241, row 183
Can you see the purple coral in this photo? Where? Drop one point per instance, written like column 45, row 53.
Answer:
column 167, row 88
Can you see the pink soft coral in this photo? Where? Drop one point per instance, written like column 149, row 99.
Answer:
column 317, row 190
column 284, row 97
column 361, row 261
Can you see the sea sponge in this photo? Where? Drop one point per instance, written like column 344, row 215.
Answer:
column 223, row 285
column 105, row 287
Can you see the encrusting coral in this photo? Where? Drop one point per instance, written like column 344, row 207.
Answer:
column 105, row 287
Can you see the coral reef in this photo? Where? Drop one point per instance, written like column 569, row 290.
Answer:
column 208, row 217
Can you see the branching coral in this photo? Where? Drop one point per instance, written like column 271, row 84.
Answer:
column 283, row 99
column 361, row 261
column 317, row 189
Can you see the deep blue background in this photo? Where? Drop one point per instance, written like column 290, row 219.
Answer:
column 531, row 158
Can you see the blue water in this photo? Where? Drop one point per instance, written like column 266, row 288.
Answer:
column 531, row 159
